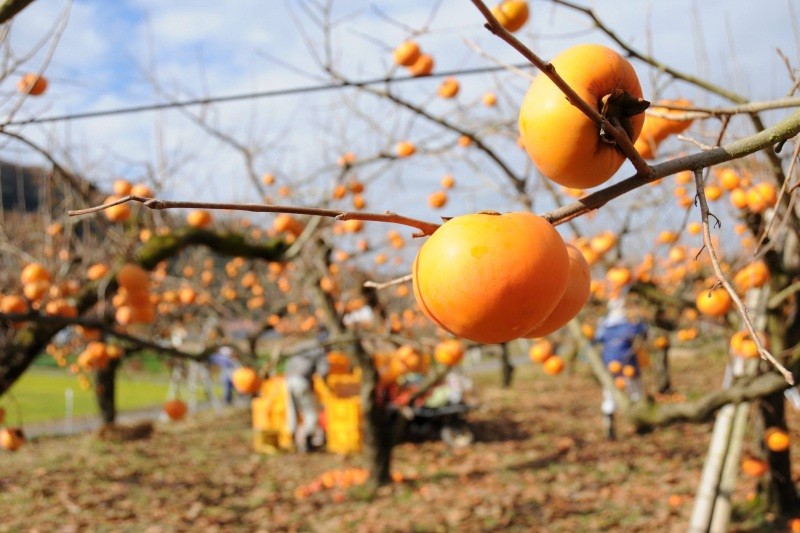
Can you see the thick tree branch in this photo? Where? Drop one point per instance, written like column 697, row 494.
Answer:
column 782, row 131
column 10, row 8
column 648, row 415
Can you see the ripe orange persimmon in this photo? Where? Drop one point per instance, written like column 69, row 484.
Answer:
column 199, row 218
column 133, row 278
column 405, row 149
column 449, row 88
column 753, row 275
column 716, row 302
column 13, row 305
column 140, row 189
column 175, row 409
column 96, row 271
column 728, row 179
column 614, row 367
column 743, row 345
column 511, row 14
column 122, row 187
column 575, row 295
column 777, row 439
column 407, row 53
column 447, row 181
column 437, row 199
column 554, row 365
column 618, row 277
column 661, row 342
column 540, row 351
column 564, row 144
column 423, row 66
column 32, row 84
column 754, row 467
column 355, row 186
column 34, row 272
column 713, row 193
column 246, row 380
column 489, row 277
column 449, row 352
column 603, row 242
column 116, row 213
column 11, row 439
column 489, row 99
column 739, row 198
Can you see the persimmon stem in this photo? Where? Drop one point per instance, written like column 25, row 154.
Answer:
column 425, row 228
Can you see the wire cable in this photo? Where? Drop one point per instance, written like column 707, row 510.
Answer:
column 256, row 95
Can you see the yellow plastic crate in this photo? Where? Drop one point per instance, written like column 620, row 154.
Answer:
column 269, row 417
column 343, row 417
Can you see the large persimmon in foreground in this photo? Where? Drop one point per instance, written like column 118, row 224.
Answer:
column 575, row 296
column 565, row 144
column 489, row 277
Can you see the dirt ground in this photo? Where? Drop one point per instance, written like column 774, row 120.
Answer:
column 540, row 463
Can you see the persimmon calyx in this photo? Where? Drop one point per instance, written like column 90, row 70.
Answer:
column 619, row 106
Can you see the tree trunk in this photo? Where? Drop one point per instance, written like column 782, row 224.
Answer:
column 780, row 490
column 506, row 367
column 661, row 371
column 104, row 389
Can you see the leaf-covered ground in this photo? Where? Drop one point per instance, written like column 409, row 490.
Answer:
column 540, row 463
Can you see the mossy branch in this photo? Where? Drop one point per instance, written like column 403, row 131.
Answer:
column 648, row 415
column 785, row 129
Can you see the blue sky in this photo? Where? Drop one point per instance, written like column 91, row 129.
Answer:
column 197, row 47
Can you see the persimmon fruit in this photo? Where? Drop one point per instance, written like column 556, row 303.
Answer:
column 574, row 298
column 449, row 352
column 32, row 84
column 175, row 409
column 716, row 302
column 511, row 14
column 489, row 277
column 777, row 440
column 11, row 439
column 423, row 66
column 407, row 53
column 564, row 144
column 199, row 218
column 246, row 380
column 540, row 351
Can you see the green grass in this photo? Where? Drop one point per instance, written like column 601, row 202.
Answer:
column 41, row 395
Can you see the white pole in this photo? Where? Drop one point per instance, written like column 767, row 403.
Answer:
column 69, row 408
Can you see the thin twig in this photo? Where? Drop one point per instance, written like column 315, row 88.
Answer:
column 695, row 112
column 426, row 228
column 723, row 280
column 379, row 286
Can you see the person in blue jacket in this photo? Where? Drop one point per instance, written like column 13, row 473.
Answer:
column 620, row 335
column 227, row 363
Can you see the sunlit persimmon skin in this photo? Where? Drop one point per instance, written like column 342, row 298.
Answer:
column 575, row 295
column 564, row 143
column 491, row 278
